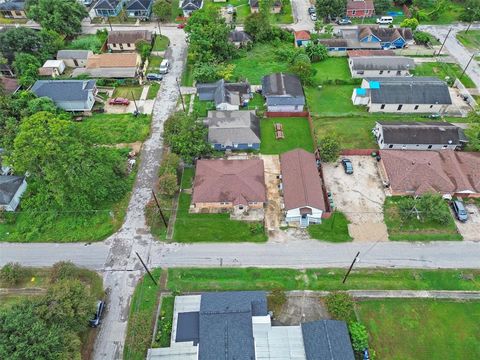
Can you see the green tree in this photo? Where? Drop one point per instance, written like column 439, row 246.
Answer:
column 359, row 335
column 26, row 66
column 330, row 9
column 144, row 48
column 381, row 6
column 168, row 184
column 162, row 9
column 471, row 11
column 409, row 23
column 422, row 38
column 428, row 207
column 12, row 273
column 302, row 67
column 473, row 130
column 329, row 148
column 206, row 72
column 340, row 306
column 170, row 164
column 316, row 52
column 318, row 26
column 62, row 16
column 43, row 43
column 259, row 27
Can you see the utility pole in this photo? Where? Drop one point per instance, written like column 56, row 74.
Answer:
column 135, row 103
column 146, row 269
column 109, row 22
column 159, row 30
column 444, row 41
column 181, row 97
column 465, row 69
column 159, row 209
column 350, row 268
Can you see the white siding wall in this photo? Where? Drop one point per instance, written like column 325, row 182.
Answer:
column 226, row 107
column 408, row 108
column 285, row 108
column 71, row 62
column 378, row 73
column 293, row 215
column 122, row 47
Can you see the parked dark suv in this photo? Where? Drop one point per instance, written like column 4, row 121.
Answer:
column 347, row 166
column 98, row 314
column 459, row 210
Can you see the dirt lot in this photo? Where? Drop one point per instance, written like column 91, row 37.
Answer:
column 470, row 229
column 273, row 212
column 359, row 196
column 301, row 308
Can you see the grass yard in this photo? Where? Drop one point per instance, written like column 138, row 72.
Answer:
column 243, row 10
column 442, row 70
column 165, row 322
column 154, row 63
column 333, row 100
column 230, row 279
column 296, row 132
column 107, row 129
column 331, row 69
column 187, row 178
column 153, row 90
column 143, row 308
column 449, row 13
column 87, row 42
column 201, row 108
column 471, row 39
column 187, row 75
column 128, row 92
column 414, row 230
column 212, row 227
column 412, row 329
column 161, row 43
column 334, row 229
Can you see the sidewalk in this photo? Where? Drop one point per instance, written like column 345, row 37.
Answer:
column 397, row 294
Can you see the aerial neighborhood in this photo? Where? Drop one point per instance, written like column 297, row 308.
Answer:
column 249, row 179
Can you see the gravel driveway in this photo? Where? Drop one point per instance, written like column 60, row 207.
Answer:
column 359, row 196
column 470, row 229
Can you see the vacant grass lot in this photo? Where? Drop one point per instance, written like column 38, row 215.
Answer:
column 229, row 279
column 411, row 329
column 107, row 129
column 333, row 100
column 154, row 63
column 153, row 90
column 415, row 230
column 187, row 75
column 128, row 92
column 442, row 70
column 332, row 68
column 333, row 229
column 211, row 227
column 87, row 42
column 296, row 132
column 471, row 39
column 161, row 43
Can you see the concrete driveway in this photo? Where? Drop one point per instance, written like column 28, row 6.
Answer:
column 273, row 211
column 359, row 196
column 470, row 229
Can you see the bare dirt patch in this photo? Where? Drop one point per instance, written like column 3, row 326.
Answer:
column 300, row 308
column 470, row 229
column 273, row 211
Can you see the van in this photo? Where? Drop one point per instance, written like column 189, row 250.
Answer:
column 385, row 20
column 164, row 66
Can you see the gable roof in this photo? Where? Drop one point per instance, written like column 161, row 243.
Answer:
column 302, row 185
column 106, row 5
column 302, row 35
column 112, row 60
column 9, row 186
column 357, row 53
column 360, row 5
column 10, row 85
column 236, row 181
column 283, row 89
column 421, row 133
column 239, row 36
column 229, row 127
column 382, row 63
column 139, row 4
column 385, row 34
column 445, row 171
column 410, row 90
column 192, row 4
column 327, row 340
column 73, row 54
column 15, row 5
column 128, row 37
column 64, row 90
column 223, row 92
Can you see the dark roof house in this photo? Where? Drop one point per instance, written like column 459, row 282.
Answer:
column 128, row 37
column 227, row 96
column 139, row 8
column 239, row 37
column 393, row 63
column 12, row 5
column 70, row 95
column 384, row 34
column 327, row 340
column 283, row 89
column 189, row 6
column 11, row 189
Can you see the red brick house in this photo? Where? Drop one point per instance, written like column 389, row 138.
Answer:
column 360, row 8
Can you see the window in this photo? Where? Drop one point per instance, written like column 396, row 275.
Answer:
column 250, row 145
column 444, row 147
column 128, row 45
column 354, row 12
column 241, row 207
column 361, row 72
column 416, row 107
column 388, row 72
column 431, row 106
column 382, row 107
column 399, row 107
column 399, row 73
column 390, row 146
column 380, row 72
column 429, row 146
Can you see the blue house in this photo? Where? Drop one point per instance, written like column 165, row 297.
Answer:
column 387, row 37
column 107, row 8
column 139, row 8
column 235, row 130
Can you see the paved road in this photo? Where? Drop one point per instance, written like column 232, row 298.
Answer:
column 455, row 48
column 397, row 294
column 301, row 17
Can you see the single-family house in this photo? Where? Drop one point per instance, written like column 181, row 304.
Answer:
column 13, row 9
column 255, row 6
column 387, row 37
column 189, row 6
column 111, row 65
column 125, row 40
column 228, row 185
column 302, row 38
column 237, row 325
column 304, row 202
column 11, row 190
column 283, row 92
column 448, row 172
column 239, row 38
column 419, row 135
column 141, row 9
column 361, row 53
column 360, row 8
column 107, row 8
column 236, row 130
column 70, row 95
column 52, row 68
column 227, row 96
column 9, row 85
column 74, row 58
column 378, row 66
column 403, row 95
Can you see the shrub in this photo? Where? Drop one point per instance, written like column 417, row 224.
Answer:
column 340, row 306
column 255, row 228
column 168, row 184
column 410, row 23
column 422, row 38
column 276, row 300
column 63, row 270
column 329, row 148
column 169, row 165
column 13, row 273
column 359, row 336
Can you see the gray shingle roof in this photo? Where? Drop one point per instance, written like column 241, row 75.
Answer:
column 73, row 54
column 327, row 340
column 191, row 4
column 187, row 327
column 382, row 63
column 139, row 4
column 15, row 5
column 63, row 90
column 283, row 89
column 128, row 36
column 410, row 90
column 239, row 36
column 421, row 133
column 9, row 186
column 228, row 127
column 223, row 92
column 106, row 4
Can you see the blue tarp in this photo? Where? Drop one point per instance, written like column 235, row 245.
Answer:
column 395, row 13
column 361, row 92
column 374, row 85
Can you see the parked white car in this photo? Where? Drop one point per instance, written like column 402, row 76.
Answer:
column 385, row 20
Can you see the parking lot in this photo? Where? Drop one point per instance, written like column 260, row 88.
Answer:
column 359, row 196
column 471, row 228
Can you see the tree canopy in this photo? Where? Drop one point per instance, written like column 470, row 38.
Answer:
column 26, row 66
column 330, row 9
column 162, row 9
column 258, row 26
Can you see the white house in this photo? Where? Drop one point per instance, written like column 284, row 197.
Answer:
column 403, row 95
column 418, row 135
column 304, row 202
column 52, row 68
column 283, row 92
column 380, row 66
column 74, row 58
column 125, row 40
column 189, row 6
column 11, row 190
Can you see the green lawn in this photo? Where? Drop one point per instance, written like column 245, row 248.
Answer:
column 161, row 43
column 411, row 329
column 109, row 129
column 333, row 100
column 415, row 230
column 143, row 308
column 296, row 132
column 448, row 13
column 87, row 42
column 187, row 178
column 333, row 229
column 212, row 227
column 471, row 39
column 230, row 279
column 331, row 69
column 154, row 63
column 187, row 75
column 165, row 321
column 128, row 92
column 153, row 90
column 201, row 108
column 442, row 70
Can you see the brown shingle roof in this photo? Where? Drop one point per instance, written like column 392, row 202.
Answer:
column 360, row 5
column 302, row 35
column 112, row 60
column 360, row 53
column 129, row 37
column 236, row 181
column 302, row 185
column 9, row 85
column 446, row 172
